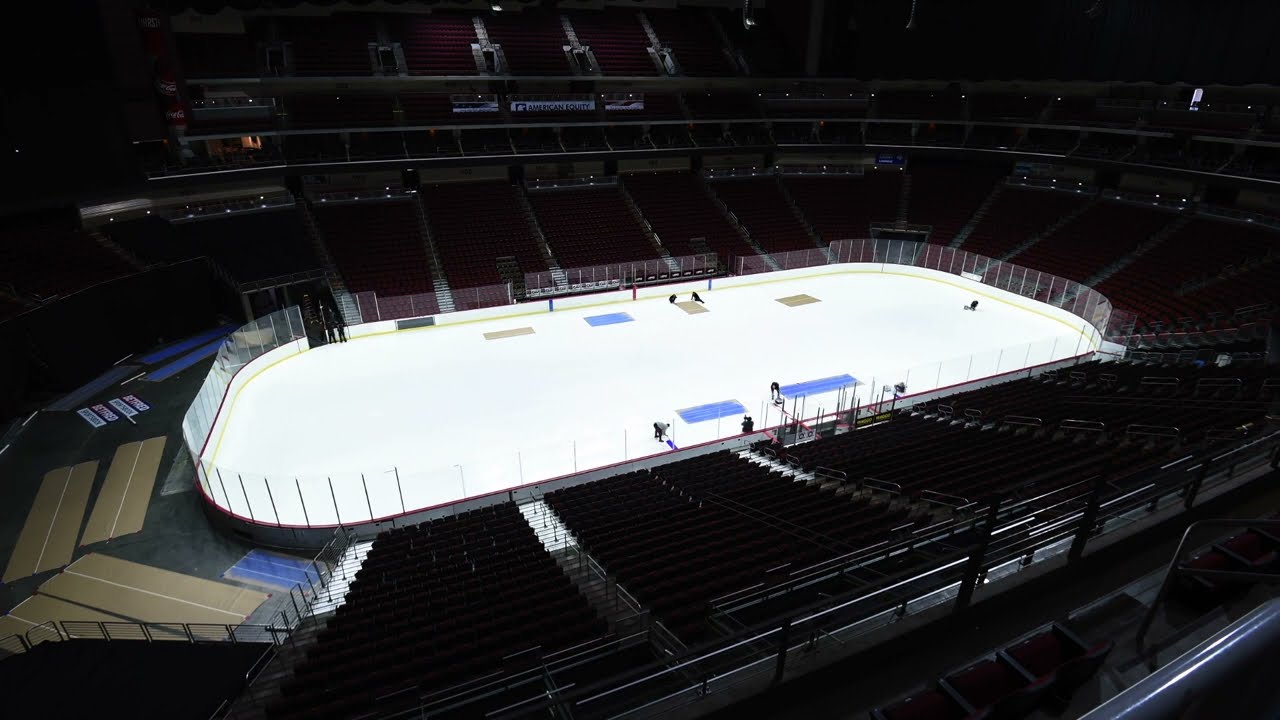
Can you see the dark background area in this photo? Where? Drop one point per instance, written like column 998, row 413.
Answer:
column 61, row 345
column 1163, row 41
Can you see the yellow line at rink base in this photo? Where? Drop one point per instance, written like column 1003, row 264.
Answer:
column 49, row 536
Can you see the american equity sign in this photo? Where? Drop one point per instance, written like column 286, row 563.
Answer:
column 553, row 105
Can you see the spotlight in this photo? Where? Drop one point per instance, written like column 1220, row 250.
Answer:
column 748, row 17
column 496, row 7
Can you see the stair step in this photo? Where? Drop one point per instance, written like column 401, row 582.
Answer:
column 600, row 592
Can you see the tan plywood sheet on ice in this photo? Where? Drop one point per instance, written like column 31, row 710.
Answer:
column 798, row 300
column 499, row 334
column 693, row 308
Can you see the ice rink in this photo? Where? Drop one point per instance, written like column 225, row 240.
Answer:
column 451, row 414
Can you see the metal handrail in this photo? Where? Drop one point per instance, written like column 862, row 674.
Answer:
column 941, row 499
column 882, row 485
column 145, row 632
column 1154, row 430
column 850, row 610
column 1244, row 647
column 1089, row 425
column 1174, row 568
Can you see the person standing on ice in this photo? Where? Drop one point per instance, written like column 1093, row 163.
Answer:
column 330, row 330
column 775, row 393
column 659, row 430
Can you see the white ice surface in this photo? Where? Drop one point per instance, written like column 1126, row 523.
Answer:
column 455, row 415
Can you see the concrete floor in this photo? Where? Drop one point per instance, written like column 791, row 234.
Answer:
column 176, row 535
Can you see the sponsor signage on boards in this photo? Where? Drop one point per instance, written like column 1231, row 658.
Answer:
column 552, row 105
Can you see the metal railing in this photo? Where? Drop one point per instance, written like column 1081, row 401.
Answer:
column 64, row 630
column 618, row 276
column 1231, row 674
column 1176, row 568
column 302, row 600
column 1060, row 525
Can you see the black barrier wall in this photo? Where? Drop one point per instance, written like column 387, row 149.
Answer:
column 67, row 342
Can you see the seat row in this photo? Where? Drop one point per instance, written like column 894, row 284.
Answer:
column 435, row 605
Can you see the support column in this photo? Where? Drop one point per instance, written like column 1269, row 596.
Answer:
column 1090, row 517
column 813, row 46
column 973, row 567
column 248, row 308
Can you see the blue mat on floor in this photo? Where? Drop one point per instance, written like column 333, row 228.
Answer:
column 610, row 319
column 164, row 372
column 84, row 393
column 817, row 387
column 702, row 413
column 190, row 343
column 264, row 568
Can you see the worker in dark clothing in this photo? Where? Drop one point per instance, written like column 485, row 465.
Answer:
column 748, row 424
column 672, row 299
column 339, row 325
column 330, row 331
column 697, row 299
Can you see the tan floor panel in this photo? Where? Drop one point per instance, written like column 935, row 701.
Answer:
column 798, row 300
column 138, row 604
column 12, row 626
column 210, row 593
column 693, row 308
column 66, row 525
column 55, row 514
column 43, row 608
column 137, row 498
column 107, row 507
column 31, row 541
column 499, row 334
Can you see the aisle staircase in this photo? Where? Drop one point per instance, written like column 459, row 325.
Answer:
column 654, row 241
column 444, row 295
column 978, row 214
column 112, row 246
column 1149, row 244
column 346, row 304
column 558, row 275
column 612, row 602
column 1061, row 222
column 904, row 198
column 733, row 219
column 798, row 214
column 253, row 700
